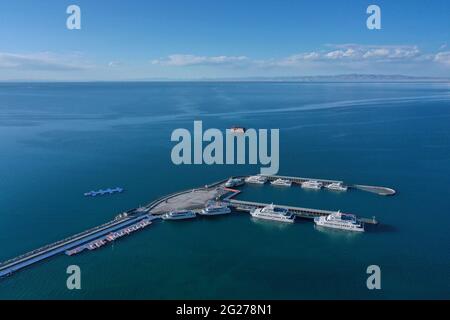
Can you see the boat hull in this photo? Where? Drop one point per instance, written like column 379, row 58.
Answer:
column 273, row 219
column 217, row 213
column 281, row 184
column 318, row 222
column 165, row 217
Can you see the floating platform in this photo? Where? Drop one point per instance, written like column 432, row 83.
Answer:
column 100, row 242
column 102, row 192
column 9, row 267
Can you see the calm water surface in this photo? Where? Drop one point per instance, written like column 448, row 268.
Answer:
column 60, row 140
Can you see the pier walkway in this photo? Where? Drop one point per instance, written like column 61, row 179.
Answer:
column 13, row 265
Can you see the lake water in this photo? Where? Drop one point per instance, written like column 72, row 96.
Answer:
column 59, row 140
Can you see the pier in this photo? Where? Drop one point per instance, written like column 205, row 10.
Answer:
column 305, row 213
column 382, row 191
column 300, row 180
column 192, row 199
column 35, row 256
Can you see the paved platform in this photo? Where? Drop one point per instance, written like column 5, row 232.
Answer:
column 187, row 201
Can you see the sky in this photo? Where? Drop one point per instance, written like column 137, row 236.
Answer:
column 196, row 39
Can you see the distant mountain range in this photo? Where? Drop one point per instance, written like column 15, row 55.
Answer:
column 324, row 78
column 340, row 78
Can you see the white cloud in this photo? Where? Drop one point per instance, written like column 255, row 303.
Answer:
column 352, row 53
column 293, row 59
column 41, row 61
column 443, row 57
column 376, row 53
column 191, row 60
column 341, row 54
column 372, row 53
column 332, row 58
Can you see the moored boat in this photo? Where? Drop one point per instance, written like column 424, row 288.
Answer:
column 336, row 186
column 256, row 179
column 281, row 182
column 273, row 213
column 179, row 215
column 214, row 210
column 312, row 184
column 340, row 221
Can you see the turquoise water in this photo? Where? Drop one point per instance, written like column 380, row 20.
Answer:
column 60, row 140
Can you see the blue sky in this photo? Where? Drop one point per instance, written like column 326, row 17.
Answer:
column 133, row 39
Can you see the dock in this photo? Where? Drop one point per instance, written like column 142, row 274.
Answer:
column 51, row 250
column 192, row 199
column 114, row 235
column 300, row 180
column 382, row 191
column 305, row 213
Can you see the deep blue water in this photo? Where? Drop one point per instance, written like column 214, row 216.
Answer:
column 60, row 140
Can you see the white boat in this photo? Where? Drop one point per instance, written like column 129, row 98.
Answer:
column 312, row 184
column 234, row 183
column 340, row 221
column 281, row 182
column 215, row 210
column 273, row 213
column 336, row 186
column 256, row 179
column 179, row 215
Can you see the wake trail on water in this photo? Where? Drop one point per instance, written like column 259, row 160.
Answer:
column 338, row 104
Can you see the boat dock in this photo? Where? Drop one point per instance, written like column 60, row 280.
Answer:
column 300, row 180
column 382, row 191
column 114, row 235
column 139, row 218
column 300, row 212
column 35, row 256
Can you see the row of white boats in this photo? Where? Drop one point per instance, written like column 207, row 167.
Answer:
column 309, row 184
column 336, row 220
